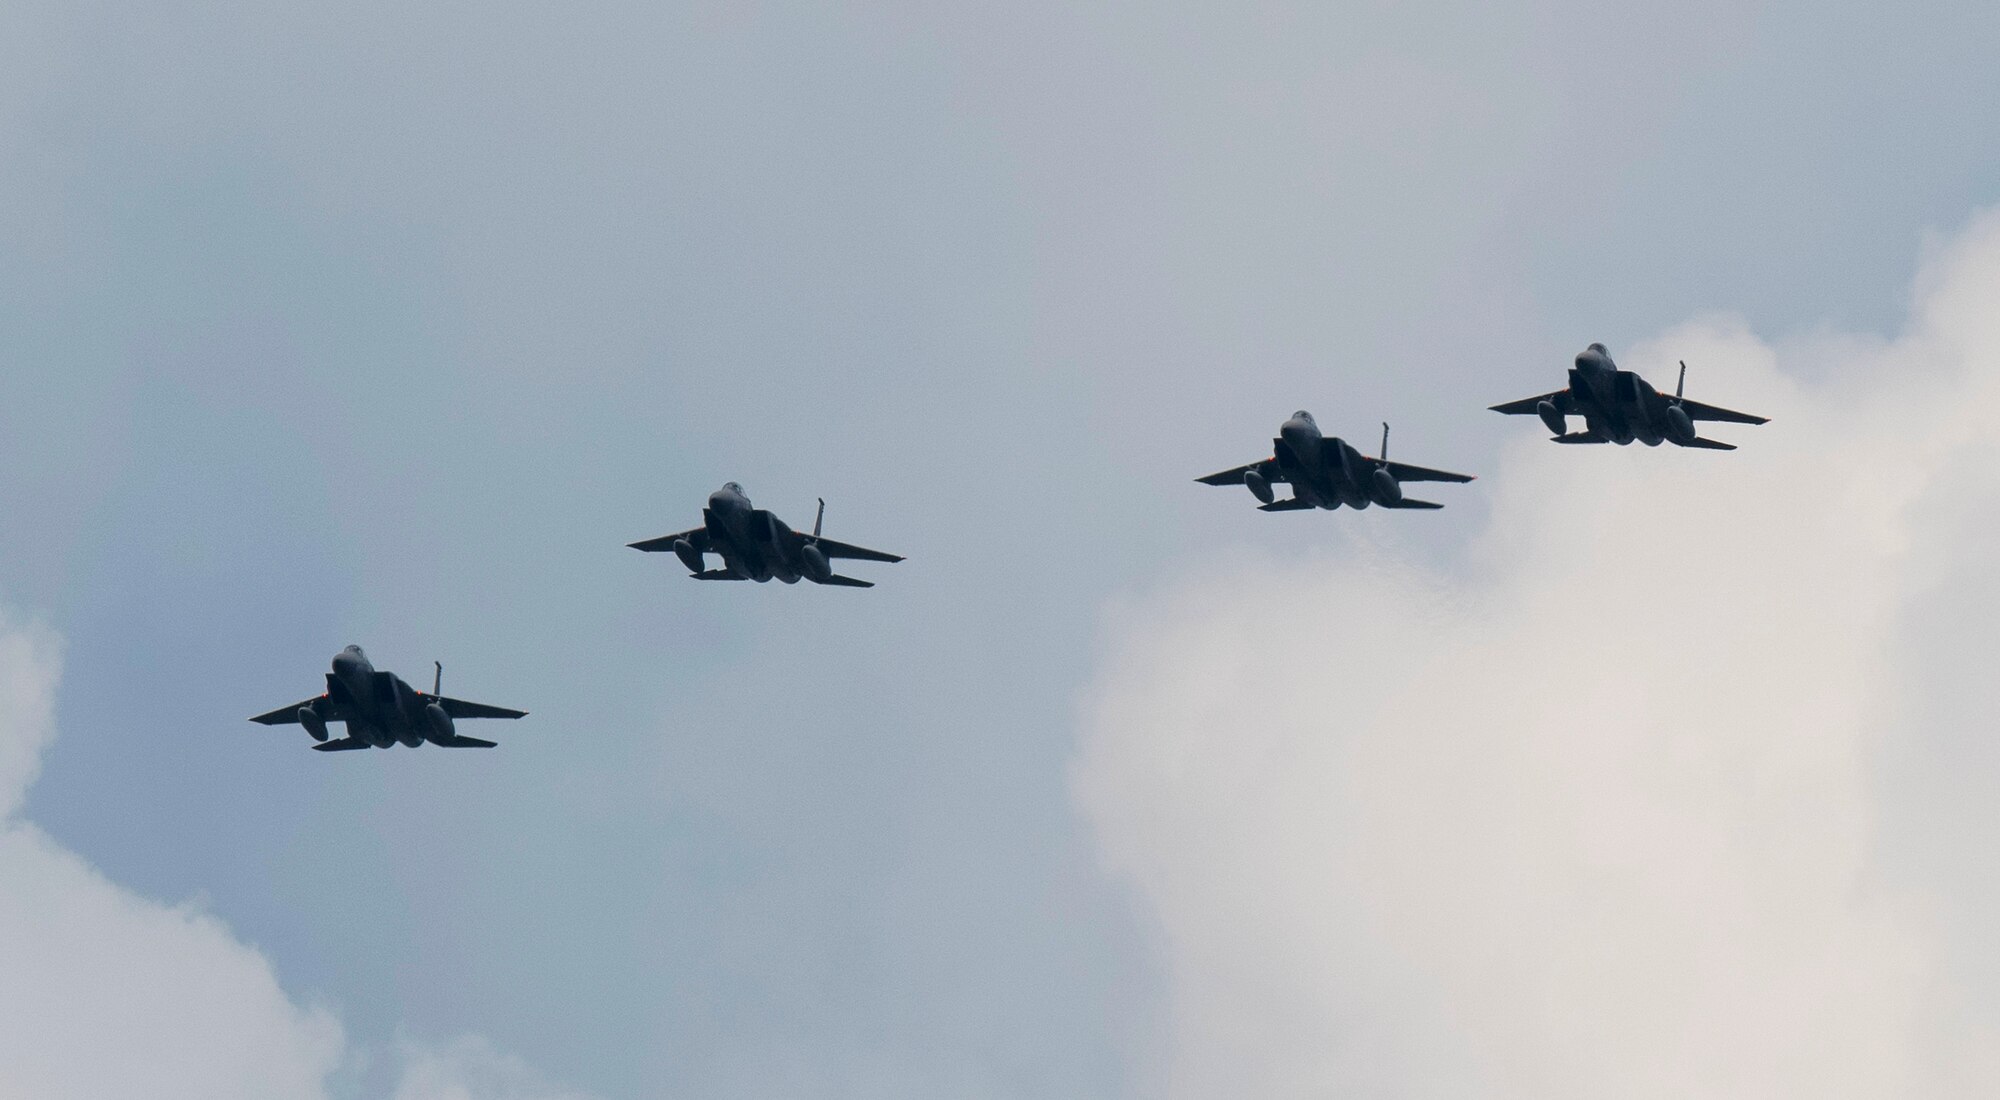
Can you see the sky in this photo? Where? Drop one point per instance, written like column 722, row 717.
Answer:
column 392, row 324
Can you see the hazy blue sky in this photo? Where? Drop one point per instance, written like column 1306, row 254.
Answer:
column 393, row 323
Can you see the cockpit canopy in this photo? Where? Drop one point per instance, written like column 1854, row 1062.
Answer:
column 734, row 487
column 1303, row 415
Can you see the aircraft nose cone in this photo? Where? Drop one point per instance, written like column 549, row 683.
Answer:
column 1589, row 359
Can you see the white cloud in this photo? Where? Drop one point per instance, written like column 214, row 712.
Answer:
column 108, row 994
column 1603, row 812
column 104, row 993
column 470, row 1068
column 29, row 666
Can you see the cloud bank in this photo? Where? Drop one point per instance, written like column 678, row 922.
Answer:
column 471, row 1068
column 1645, row 799
column 106, row 993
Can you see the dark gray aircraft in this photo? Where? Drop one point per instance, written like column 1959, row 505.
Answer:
column 381, row 710
column 1618, row 406
column 1325, row 472
column 756, row 546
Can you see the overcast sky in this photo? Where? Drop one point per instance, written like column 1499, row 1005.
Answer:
column 393, row 323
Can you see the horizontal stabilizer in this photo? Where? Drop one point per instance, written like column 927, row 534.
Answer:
column 1410, row 502
column 341, row 745
column 1579, row 437
column 465, row 743
column 715, row 575
column 1296, row 504
column 1710, row 445
column 284, row 716
column 847, row 582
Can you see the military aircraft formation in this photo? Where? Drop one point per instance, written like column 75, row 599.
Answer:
column 381, row 710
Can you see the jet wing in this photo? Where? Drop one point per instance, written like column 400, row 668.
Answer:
column 1698, row 411
column 1404, row 472
column 834, row 549
column 1269, row 468
column 328, row 708
column 1560, row 399
column 459, row 708
column 698, row 537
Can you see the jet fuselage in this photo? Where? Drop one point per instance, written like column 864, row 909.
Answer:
column 755, row 545
column 1326, row 476
column 1617, row 404
column 380, row 707
column 752, row 542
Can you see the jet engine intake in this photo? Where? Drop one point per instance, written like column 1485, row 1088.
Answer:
column 1259, row 486
column 314, row 724
column 1387, row 489
column 815, row 563
column 1680, row 426
column 1553, row 417
column 690, row 557
column 441, row 727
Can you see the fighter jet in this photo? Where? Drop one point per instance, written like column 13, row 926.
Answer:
column 1618, row 406
column 1325, row 472
column 381, row 710
column 756, row 546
